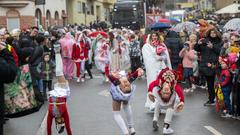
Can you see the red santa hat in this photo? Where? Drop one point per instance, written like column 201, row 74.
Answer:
column 167, row 76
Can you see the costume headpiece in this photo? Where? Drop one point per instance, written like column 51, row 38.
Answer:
column 167, row 76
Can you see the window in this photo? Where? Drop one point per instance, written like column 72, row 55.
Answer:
column 92, row 10
column 56, row 18
column 13, row 23
column 13, row 20
column 79, row 10
column 38, row 15
column 48, row 18
column 84, row 7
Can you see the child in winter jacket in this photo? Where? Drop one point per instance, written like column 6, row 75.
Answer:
column 225, row 83
column 46, row 69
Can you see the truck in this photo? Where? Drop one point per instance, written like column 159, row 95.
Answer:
column 129, row 14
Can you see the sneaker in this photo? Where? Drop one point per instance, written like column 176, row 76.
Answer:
column 209, row 103
column 132, row 131
column 226, row 115
column 168, row 131
column 106, row 79
column 193, row 86
column 203, row 87
column 155, row 126
column 82, row 80
column 192, row 90
column 78, row 80
column 187, row 90
column 234, row 116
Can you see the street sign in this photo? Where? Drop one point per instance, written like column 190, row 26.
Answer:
column 40, row 2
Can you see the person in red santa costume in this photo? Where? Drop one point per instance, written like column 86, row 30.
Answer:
column 168, row 95
column 80, row 55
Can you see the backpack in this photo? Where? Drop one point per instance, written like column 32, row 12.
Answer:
column 134, row 48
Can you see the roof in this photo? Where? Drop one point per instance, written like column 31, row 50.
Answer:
column 230, row 9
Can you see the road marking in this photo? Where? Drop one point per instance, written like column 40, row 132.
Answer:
column 104, row 93
column 213, row 130
column 43, row 127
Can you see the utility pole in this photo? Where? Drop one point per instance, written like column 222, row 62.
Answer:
column 145, row 13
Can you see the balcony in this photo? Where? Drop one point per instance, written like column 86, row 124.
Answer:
column 110, row 2
column 14, row 3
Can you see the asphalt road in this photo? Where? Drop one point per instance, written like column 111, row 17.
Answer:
column 90, row 112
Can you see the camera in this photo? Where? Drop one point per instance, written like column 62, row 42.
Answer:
column 186, row 45
column 225, row 41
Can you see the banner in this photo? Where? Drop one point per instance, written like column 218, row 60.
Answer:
column 152, row 18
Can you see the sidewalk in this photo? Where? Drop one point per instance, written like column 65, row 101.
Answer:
column 27, row 125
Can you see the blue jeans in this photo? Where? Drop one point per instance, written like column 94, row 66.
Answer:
column 188, row 73
column 40, row 84
column 226, row 93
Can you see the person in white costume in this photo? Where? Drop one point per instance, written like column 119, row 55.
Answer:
column 154, row 62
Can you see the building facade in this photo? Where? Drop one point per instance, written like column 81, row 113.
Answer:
column 86, row 11
column 223, row 3
column 27, row 13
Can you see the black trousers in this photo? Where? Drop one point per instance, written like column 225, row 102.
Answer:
column 1, row 108
column 88, row 67
column 210, row 84
column 236, row 99
column 47, row 84
column 135, row 63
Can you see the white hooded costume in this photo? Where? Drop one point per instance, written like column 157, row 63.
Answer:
column 154, row 64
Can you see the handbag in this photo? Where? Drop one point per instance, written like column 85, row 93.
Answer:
column 19, row 95
column 219, row 96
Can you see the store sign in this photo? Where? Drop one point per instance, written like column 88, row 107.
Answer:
column 40, row 2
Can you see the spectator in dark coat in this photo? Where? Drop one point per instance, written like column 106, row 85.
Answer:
column 174, row 45
column 34, row 61
column 209, row 49
column 28, row 40
column 8, row 72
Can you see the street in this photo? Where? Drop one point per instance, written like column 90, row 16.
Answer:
column 90, row 112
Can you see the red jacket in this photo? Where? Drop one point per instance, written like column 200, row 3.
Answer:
column 225, row 77
column 79, row 52
column 178, row 89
